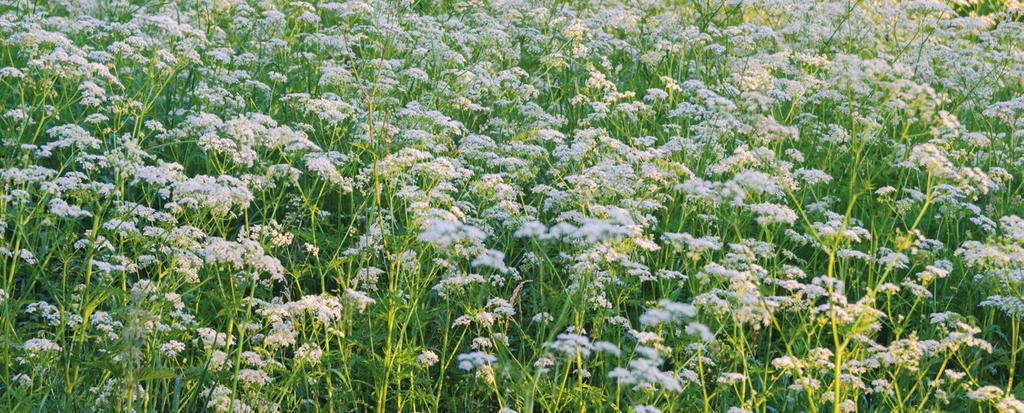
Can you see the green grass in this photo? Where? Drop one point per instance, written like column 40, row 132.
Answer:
column 529, row 206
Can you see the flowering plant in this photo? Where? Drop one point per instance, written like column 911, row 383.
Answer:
column 515, row 206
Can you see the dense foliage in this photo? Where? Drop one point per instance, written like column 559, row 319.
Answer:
column 511, row 205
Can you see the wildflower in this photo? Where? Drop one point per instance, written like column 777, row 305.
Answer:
column 932, row 159
column 172, row 348
column 251, row 377
column 669, row 312
column 985, row 393
column 22, row 379
column 768, row 214
column 427, row 358
column 36, row 346
column 476, row 359
column 309, row 352
column 445, row 233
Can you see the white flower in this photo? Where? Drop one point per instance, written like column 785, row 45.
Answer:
column 491, row 259
column 476, row 359
column 444, row 233
column 172, row 348
column 22, row 379
column 309, row 352
column 252, row 377
column 427, row 358
column 571, row 345
column 985, row 393
column 768, row 214
column 931, row 159
column 35, row 346
column 642, row 408
column 668, row 312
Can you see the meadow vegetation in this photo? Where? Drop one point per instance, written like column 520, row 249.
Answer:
column 631, row 206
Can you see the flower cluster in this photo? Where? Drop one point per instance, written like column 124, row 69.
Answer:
column 398, row 206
